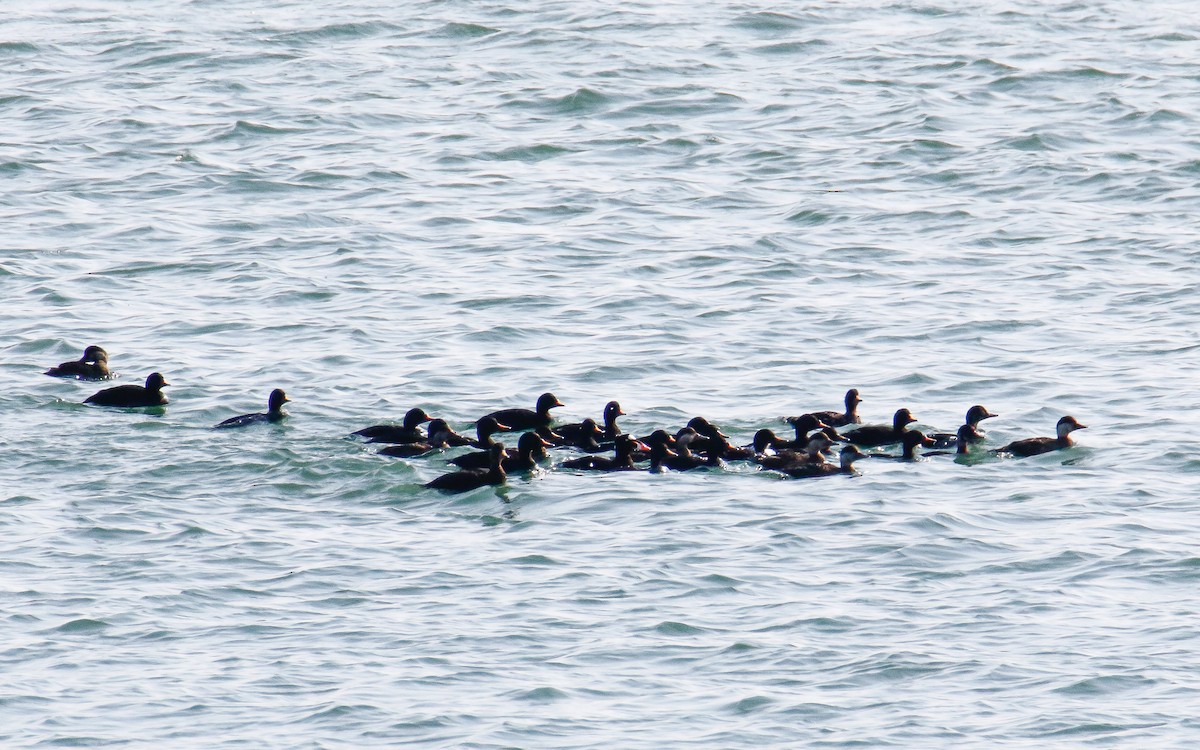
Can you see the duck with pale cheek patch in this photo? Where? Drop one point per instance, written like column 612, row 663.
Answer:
column 1038, row 445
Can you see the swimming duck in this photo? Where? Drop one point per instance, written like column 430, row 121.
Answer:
column 684, row 459
column 609, row 432
column 484, row 430
column 911, row 440
column 584, row 438
column 1038, row 445
column 880, row 434
column 839, row 418
column 788, row 458
column 803, row 425
column 975, row 415
column 408, row 432
column 530, row 450
column 622, row 461
column 470, row 479
column 967, row 435
column 659, row 453
column 93, row 365
column 845, row 465
column 274, row 413
column 526, row 419
column 132, row 395
column 710, row 438
column 764, row 440
column 439, row 437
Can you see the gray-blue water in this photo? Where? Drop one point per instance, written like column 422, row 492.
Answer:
column 727, row 209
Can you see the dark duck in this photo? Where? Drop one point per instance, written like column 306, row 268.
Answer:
column 586, row 438
column 132, row 395
column 765, row 440
column 1038, row 445
column 274, row 412
column 439, row 437
column 845, row 465
column 530, row 449
column 528, row 419
column 975, row 415
column 963, row 440
column 470, row 479
column 660, row 452
column 710, row 438
column 93, row 365
column 684, row 459
column 881, row 434
column 407, row 432
column 803, row 425
column 608, row 433
column 842, row 418
column 485, row 429
column 909, row 442
column 621, row 461
column 788, row 458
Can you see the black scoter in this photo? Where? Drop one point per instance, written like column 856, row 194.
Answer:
column 470, row 479
column 132, row 395
column 407, row 432
column 274, row 413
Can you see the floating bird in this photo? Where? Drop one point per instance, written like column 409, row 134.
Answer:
column 407, row 432
column 132, row 395
column 93, row 365
column 439, row 437
column 911, row 440
column 1037, row 445
column 881, row 434
column 622, row 461
column 975, row 415
column 841, row 419
column 845, row 465
column 274, row 413
column 528, row 419
column 608, row 432
column 530, row 449
column 470, row 479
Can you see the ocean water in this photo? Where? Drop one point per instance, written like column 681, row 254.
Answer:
column 730, row 209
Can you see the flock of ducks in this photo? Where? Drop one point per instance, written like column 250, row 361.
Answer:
column 699, row 444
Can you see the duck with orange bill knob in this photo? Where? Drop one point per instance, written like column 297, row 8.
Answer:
column 584, row 439
column 528, row 419
column 530, row 449
column 407, row 432
column 485, row 429
column 608, row 433
column 130, row 396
